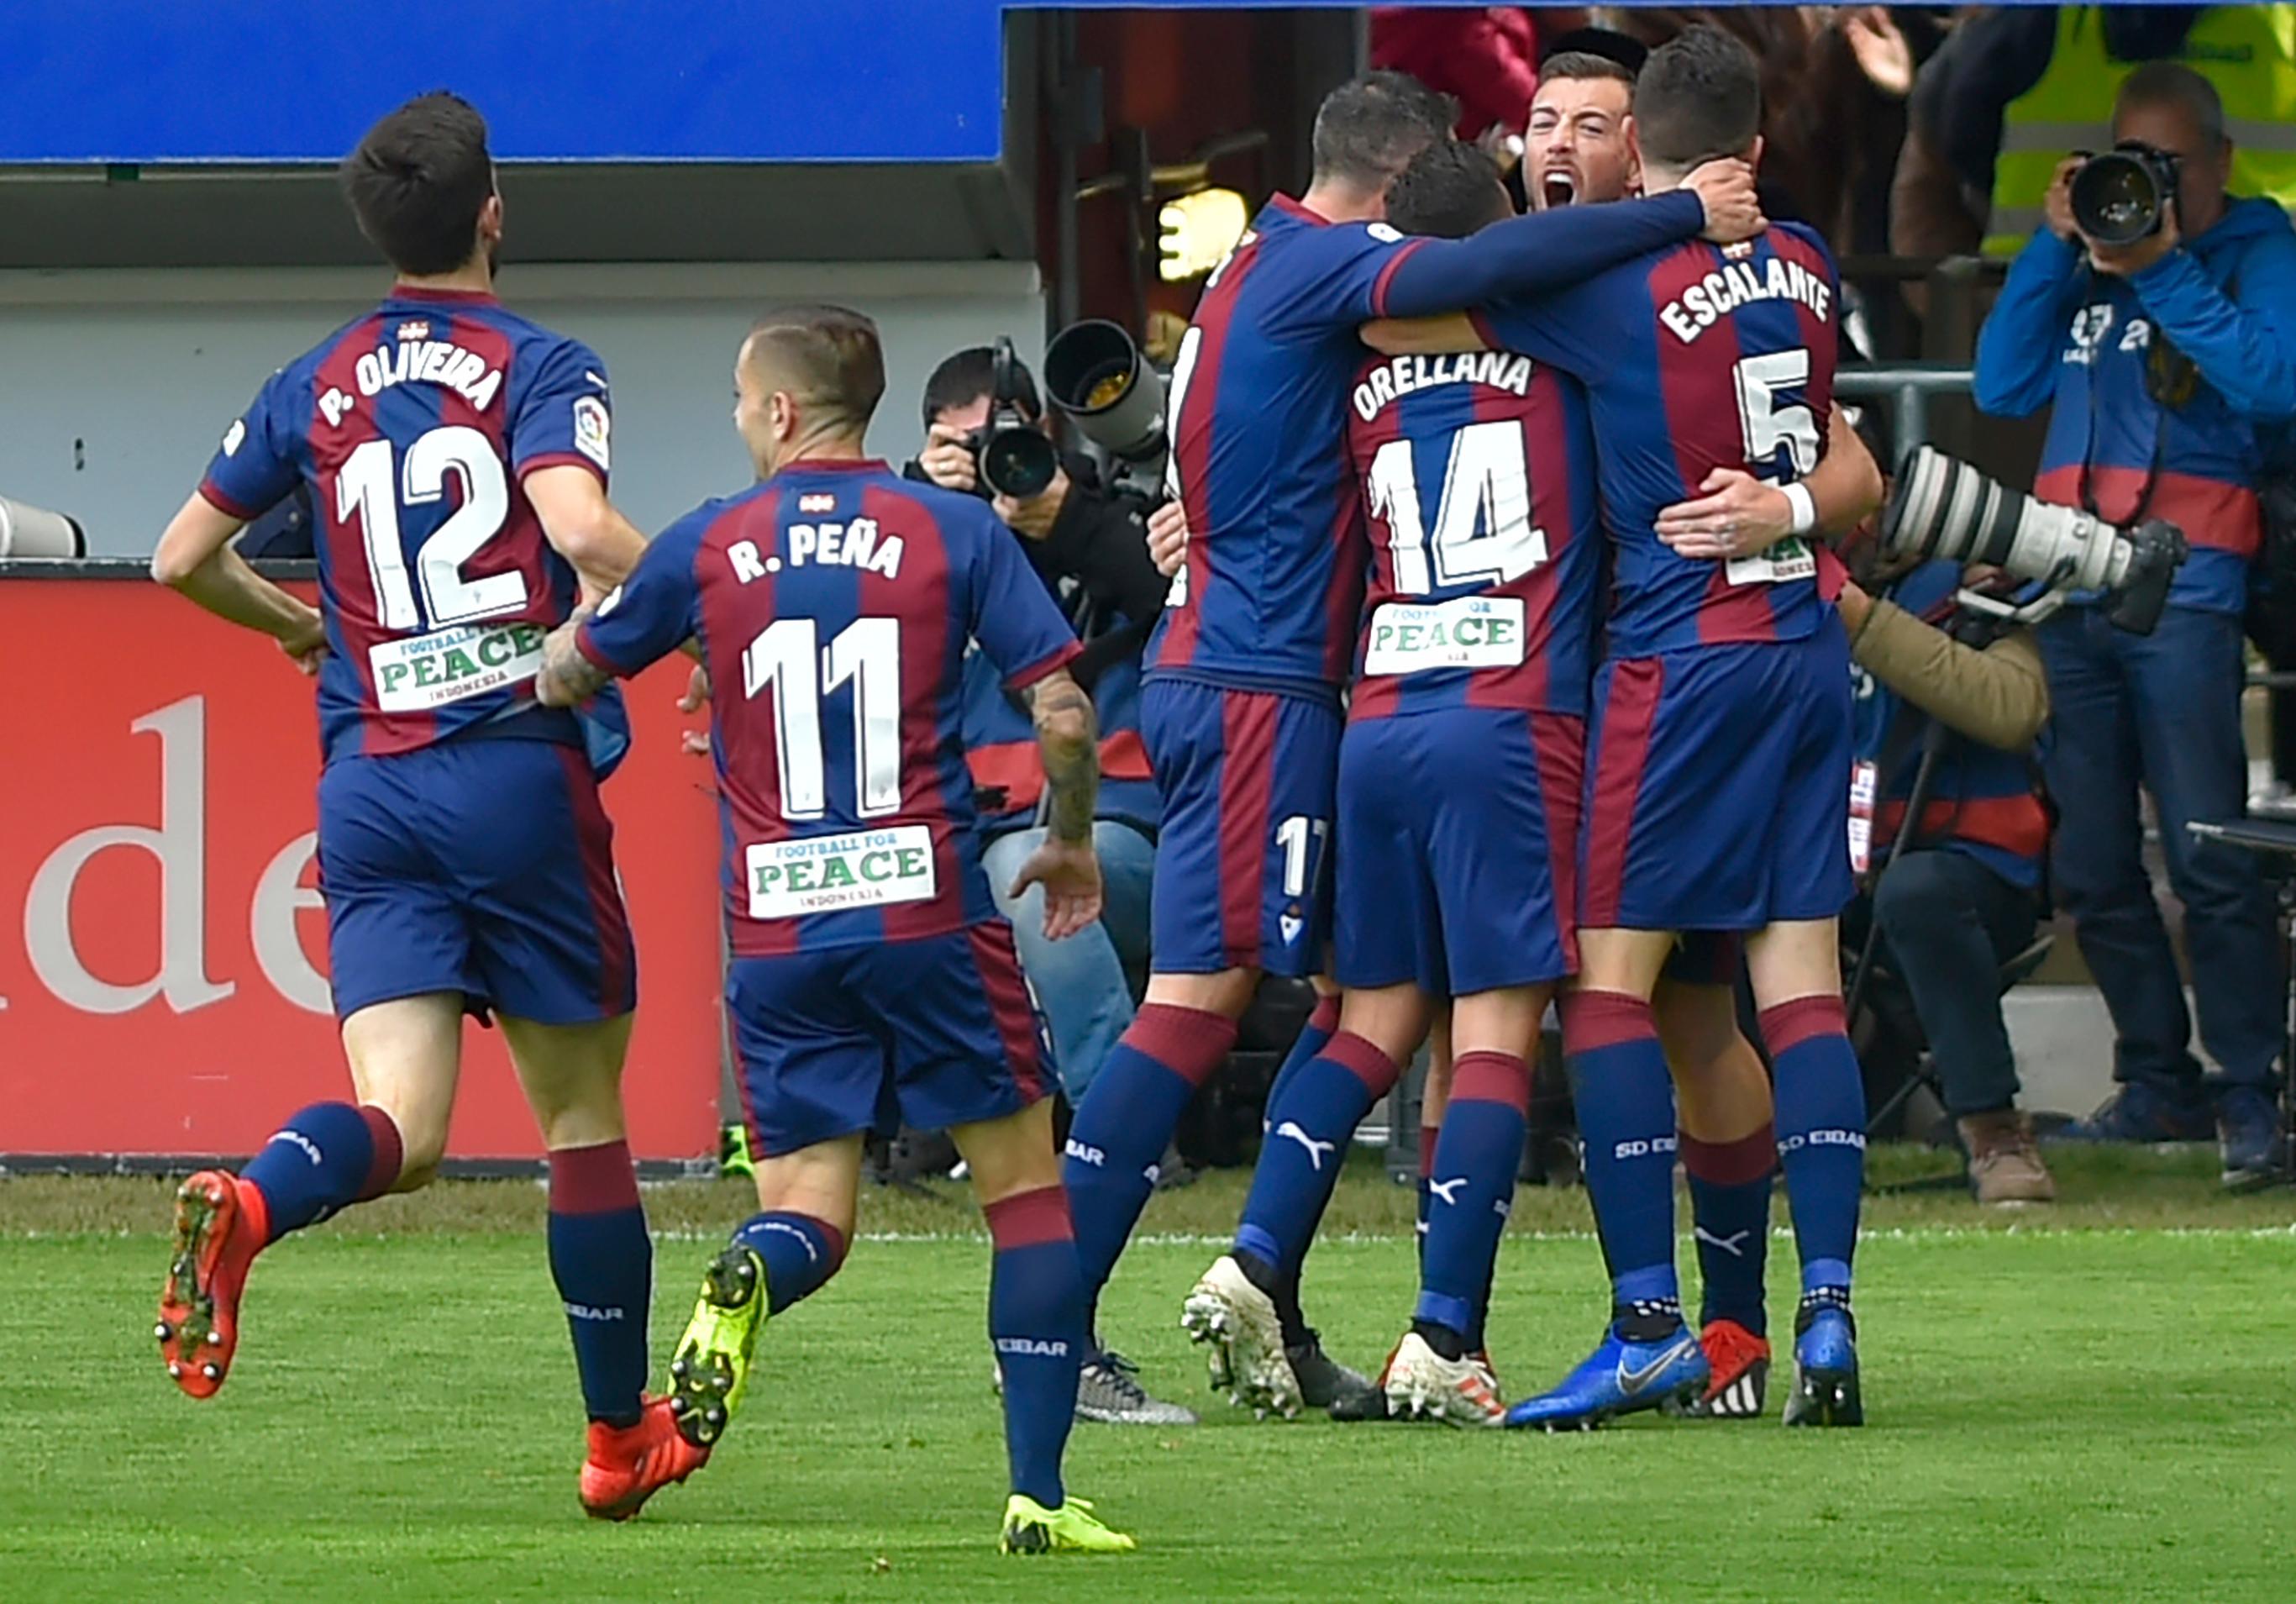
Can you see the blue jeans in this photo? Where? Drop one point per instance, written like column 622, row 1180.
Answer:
column 2163, row 711
column 1084, row 984
column 1949, row 923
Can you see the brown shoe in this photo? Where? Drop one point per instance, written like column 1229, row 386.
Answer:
column 2005, row 1162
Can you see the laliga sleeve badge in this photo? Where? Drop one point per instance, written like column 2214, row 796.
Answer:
column 233, row 436
column 591, row 427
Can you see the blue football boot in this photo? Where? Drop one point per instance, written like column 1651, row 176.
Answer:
column 1620, row 1378
column 1825, row 1368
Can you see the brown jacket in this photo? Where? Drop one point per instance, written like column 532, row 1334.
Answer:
column 1996, row 694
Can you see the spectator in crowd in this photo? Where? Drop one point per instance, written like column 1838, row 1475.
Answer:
column 1962, row 895
column 1485, row 57
column 2171, row 363
column 1089, row 549
column 2016, row 86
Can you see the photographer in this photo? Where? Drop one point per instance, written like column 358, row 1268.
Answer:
column 1088, row 547
column 2169, row 357
column 1942, row 686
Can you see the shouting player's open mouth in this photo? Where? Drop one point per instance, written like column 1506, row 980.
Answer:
column 1557, row 186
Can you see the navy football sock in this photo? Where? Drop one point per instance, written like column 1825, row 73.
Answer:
column 602, row 1261
column 800, row 1254
column 1125, row 1121
column 1730, row 1214
column 1473, row 1189
column 1625, row 1126
column 1821, row 1122
column 1323, row 1020
column 325, row 1156
column 1307, row 1134
column 1036, row 1324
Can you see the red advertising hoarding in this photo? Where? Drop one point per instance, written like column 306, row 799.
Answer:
column 163, row 953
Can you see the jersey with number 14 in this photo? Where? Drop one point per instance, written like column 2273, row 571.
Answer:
column 1478, row 472
column 414, row 427
column 1695, row 357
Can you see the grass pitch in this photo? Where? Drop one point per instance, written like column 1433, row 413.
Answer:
column 2093, row 1404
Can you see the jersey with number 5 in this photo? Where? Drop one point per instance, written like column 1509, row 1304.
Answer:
column 833, row 603
column 1695, row 357
column 416, row 426
column 1478, row 472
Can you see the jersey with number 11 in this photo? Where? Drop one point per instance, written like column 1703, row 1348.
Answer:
column 1696, row 358
column 414, row 427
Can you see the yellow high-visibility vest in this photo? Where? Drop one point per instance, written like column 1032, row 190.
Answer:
column 2248, row 52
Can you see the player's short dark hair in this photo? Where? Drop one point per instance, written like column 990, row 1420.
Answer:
column 2174, row 85
column 1450, row 190
column 1700, row 96
column 1370, row 128
column 418, row 181
column 967, row 376
column 1607, row 43
column 828, row 357
column 1586, row 67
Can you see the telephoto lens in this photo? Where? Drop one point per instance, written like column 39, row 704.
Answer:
column 33, row 531
column 1941, row 507
column 2118, row 196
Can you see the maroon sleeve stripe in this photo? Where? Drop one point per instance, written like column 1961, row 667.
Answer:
column 222, row 502
column 590, row 651
column 559, row 459
column 1067, row 653
column 1387, row 275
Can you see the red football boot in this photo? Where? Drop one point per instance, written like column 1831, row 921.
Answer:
column 629, row 1464
column 1740, row 1362
column 220, row 1225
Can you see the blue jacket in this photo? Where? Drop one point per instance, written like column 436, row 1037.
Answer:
column 2228, row 300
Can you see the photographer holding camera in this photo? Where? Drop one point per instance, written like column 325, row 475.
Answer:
column 985, row 435
column 1950, row 700
column 2153, row 312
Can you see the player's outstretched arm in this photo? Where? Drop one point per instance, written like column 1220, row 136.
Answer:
column 1068, row 735
column 195, row 558
column 1735, row 514
column 585, row 527
column 1550, row 250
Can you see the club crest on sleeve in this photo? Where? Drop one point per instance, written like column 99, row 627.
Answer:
column 591, row 428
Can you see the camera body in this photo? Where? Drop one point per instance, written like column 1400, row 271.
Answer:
column 1943, row 508
column 2118, row 196
column 1010, row 456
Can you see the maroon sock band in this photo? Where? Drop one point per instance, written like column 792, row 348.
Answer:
column 593, row 1180
column 1029, row 1219
column 1190, row 1043
column 1429, row 1135
column 1789, row 1024
column 1492, row 1078
column 382, row 1171
column 1732, row 1164
column 1327, row 1015
column 1593, row 1020
column 1377, row 1070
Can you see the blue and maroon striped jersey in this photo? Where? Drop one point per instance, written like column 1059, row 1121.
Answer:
column 414, row 427
column 1695, row 357
column 1274, row 570
column 1478, row 473
column 833, row 603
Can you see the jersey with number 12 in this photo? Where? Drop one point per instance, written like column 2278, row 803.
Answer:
column 833, row 603
column 1695, row 357
column 414, row 427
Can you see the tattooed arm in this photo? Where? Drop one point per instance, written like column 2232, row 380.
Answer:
column 568, row 678
column 1068, row 735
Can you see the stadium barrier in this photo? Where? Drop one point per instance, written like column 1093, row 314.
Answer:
column 162, row 973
